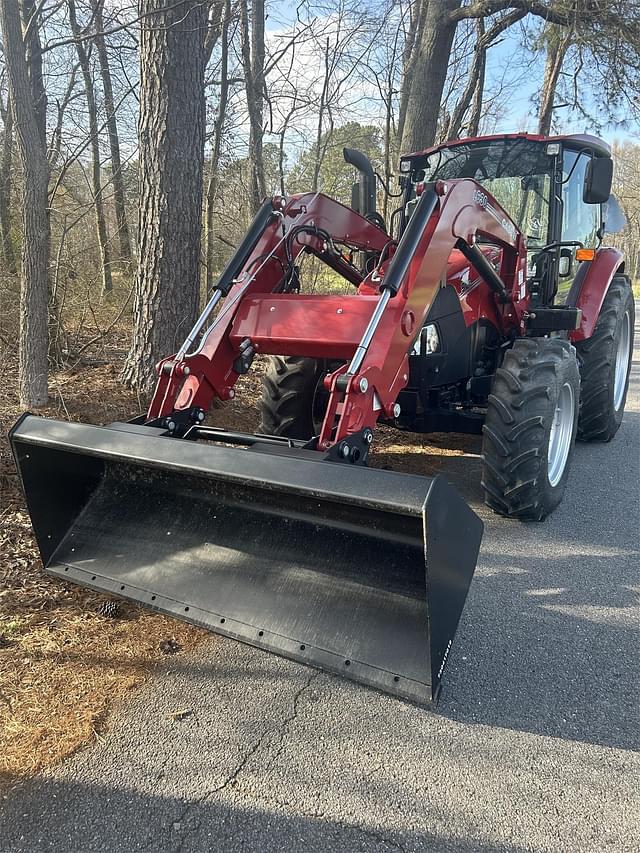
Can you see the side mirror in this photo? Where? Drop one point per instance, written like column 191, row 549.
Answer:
column 597, row 181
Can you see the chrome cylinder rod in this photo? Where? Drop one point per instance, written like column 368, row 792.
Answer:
column 374, row 322
column 216, row 296
column 232, row 272
column 395, row 275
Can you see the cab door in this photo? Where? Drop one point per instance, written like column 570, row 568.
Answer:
column 580, row 221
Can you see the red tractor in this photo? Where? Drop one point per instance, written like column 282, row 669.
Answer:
column 528, row 337
column 486, row 305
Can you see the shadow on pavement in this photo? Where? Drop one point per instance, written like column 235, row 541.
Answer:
column 53, row 815
column 549, row 636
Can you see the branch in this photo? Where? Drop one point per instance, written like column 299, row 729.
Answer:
column 87, row 37
column 486, row 8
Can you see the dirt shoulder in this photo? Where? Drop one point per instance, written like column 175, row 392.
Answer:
column 63, row 666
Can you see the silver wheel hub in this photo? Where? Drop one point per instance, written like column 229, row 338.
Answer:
column 561, row 434
column 622, row 362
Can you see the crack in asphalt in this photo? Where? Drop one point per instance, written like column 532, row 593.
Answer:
column 320, row 814
column 280, row 730
column 231, row 778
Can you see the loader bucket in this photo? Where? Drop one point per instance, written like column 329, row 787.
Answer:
column 358, row 571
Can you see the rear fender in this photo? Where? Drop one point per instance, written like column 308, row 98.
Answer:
column 590, row 288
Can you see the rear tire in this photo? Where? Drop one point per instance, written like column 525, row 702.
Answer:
column 530, row 428
column 288, row 393
column 605, row 361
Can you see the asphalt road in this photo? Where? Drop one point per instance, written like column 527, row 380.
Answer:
column 533, row 746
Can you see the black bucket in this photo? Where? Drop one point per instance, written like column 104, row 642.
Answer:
column 354, row 570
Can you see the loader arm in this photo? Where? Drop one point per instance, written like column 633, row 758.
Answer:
column 190, row 380
column 372, row 333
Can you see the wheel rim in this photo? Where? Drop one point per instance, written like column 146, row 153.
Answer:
column 561, row 434
column 622, row 361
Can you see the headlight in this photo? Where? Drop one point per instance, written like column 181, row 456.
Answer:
column 405, row 166
column 428, row 342
column 431, row 339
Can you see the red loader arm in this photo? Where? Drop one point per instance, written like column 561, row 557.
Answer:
column 373, row 333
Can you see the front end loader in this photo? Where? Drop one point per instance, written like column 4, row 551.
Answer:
column 284, row 538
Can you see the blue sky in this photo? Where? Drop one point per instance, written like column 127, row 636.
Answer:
column 522, row 71
column 522, row 104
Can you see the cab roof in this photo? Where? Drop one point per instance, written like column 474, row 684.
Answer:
column 576, row 141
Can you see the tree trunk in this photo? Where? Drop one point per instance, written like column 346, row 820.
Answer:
column 214, row 166
column 473, row 125
column 171, row 135
column 409, row 58
column 124, row 240
column 33, row 53
column 5, row 189
column 429, row 73
column 96, row 171
column 252, row 42
column 557, row 46
column 475, row 84
column 34, row 292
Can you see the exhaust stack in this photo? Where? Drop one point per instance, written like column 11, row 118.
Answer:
column 363, row 194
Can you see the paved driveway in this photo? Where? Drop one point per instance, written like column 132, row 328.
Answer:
column 534, row 745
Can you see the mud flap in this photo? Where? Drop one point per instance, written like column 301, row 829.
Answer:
column 354, row 570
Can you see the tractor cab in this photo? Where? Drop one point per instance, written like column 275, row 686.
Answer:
column 556, row 190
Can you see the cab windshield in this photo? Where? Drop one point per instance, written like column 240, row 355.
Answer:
column 517, row 173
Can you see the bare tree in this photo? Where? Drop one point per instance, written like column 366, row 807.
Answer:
column 429, row 63
column 214, row 164
column 324, row 107
column 171, row 138
column 557, row 43
column 413, row 38
column 343, row 44
column 30, row 14
column 6, row 183
column 626, row 188
column 611, row 22
column 472, row 94
column 253, row 50
column 34, row 338
column 124, row 240
column 477, row 101
column 96, row 169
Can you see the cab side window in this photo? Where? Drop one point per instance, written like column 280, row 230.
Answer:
column 580, row 221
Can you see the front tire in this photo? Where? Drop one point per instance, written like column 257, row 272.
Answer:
column 605, row 362
column 530, row 428
column 289, row 397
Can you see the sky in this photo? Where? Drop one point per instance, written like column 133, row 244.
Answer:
column 523, row 100
column 521, row 71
